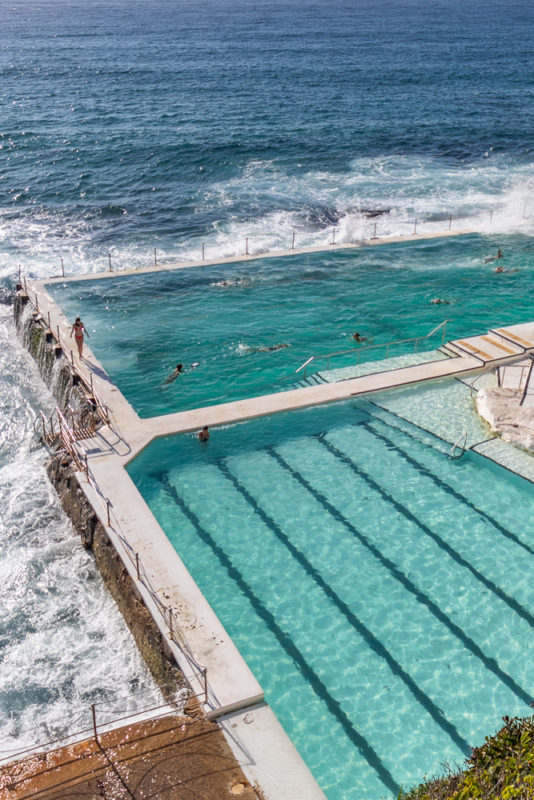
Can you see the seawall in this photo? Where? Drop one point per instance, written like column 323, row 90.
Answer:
column 55, row 369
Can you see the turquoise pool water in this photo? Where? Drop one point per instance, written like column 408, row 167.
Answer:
column 227, row 318
column 380, row 591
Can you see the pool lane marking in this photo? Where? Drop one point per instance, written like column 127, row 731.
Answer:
column 489, row 663
column 439, row 481
column 489, row 584
column 372, row 641
column 286, row 643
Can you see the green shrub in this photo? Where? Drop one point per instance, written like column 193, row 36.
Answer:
column 501, row 769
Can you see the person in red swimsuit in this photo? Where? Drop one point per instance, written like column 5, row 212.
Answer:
column 78, row 329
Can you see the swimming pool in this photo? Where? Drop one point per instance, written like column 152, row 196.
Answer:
column 250, row 325
column 379, row 590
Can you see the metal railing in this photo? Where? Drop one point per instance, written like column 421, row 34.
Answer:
column 458, row 443
column 243, row 248
column 527, row 382
column 387, row 345
column 139, row 714
column 65, row 437
column 100, row 407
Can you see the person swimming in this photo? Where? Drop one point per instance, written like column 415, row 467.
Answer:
column 204, row 434
column 174, row 374
column 358, row 338
column 494, row 258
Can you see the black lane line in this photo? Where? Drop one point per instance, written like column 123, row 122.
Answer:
column 510, row 601
column 437, row 480
column 489, row 663
column 287, row 644
column 372, row 641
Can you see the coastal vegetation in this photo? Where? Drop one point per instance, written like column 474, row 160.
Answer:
column 501, row 769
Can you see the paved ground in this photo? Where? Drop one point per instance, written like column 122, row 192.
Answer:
column 171, row 758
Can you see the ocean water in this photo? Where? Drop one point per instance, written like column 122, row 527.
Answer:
column 126, row 127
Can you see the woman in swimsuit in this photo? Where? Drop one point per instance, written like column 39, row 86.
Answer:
column 78, row 329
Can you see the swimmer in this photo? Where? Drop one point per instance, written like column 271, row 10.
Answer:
column 438, row 301
column 78, row 329
column 174, row 374
column 268, row 349
column 494, row 258
column 358, row 338
column 499, row 269
column 204, row 434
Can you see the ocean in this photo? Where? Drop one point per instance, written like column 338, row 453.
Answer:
column 129, row 127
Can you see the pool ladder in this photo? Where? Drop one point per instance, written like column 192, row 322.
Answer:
column 461, row 442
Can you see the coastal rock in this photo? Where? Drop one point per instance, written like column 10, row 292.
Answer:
column 499, row 406
column 145, row 632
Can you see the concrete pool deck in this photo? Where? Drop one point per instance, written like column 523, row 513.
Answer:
column 235, row 699
column 293, row 252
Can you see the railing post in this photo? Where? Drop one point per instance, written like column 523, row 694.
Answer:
column 527, row 382
column 374, row 236
column 293, row 241
column 93, row 713
column 86, row 465
column 203, row 256
column 491, row 215
column 137, row 566
column 246, row 247
column 155, row 259
column 450, row 221
column 62, row 269
column 108, row 504
column 72, row 359
column 91, row 382
column 109, row 259
column 170, row 623
column 36, row 302
column 333, row 236
column 49, row 325
column 205, row 676
column 415, row 228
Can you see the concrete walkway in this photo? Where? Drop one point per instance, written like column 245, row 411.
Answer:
column 416, row 237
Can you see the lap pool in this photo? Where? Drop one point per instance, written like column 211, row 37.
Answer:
column 248, row 326
column 379, row 590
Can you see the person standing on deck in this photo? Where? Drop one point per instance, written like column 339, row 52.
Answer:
column 78, row 329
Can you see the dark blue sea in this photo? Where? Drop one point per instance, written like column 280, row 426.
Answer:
column 129, row 126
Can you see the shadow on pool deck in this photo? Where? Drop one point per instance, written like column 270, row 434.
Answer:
column 168, row 758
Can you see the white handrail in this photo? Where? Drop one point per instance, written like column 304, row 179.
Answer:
column 457, row 443
column 302, row 366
